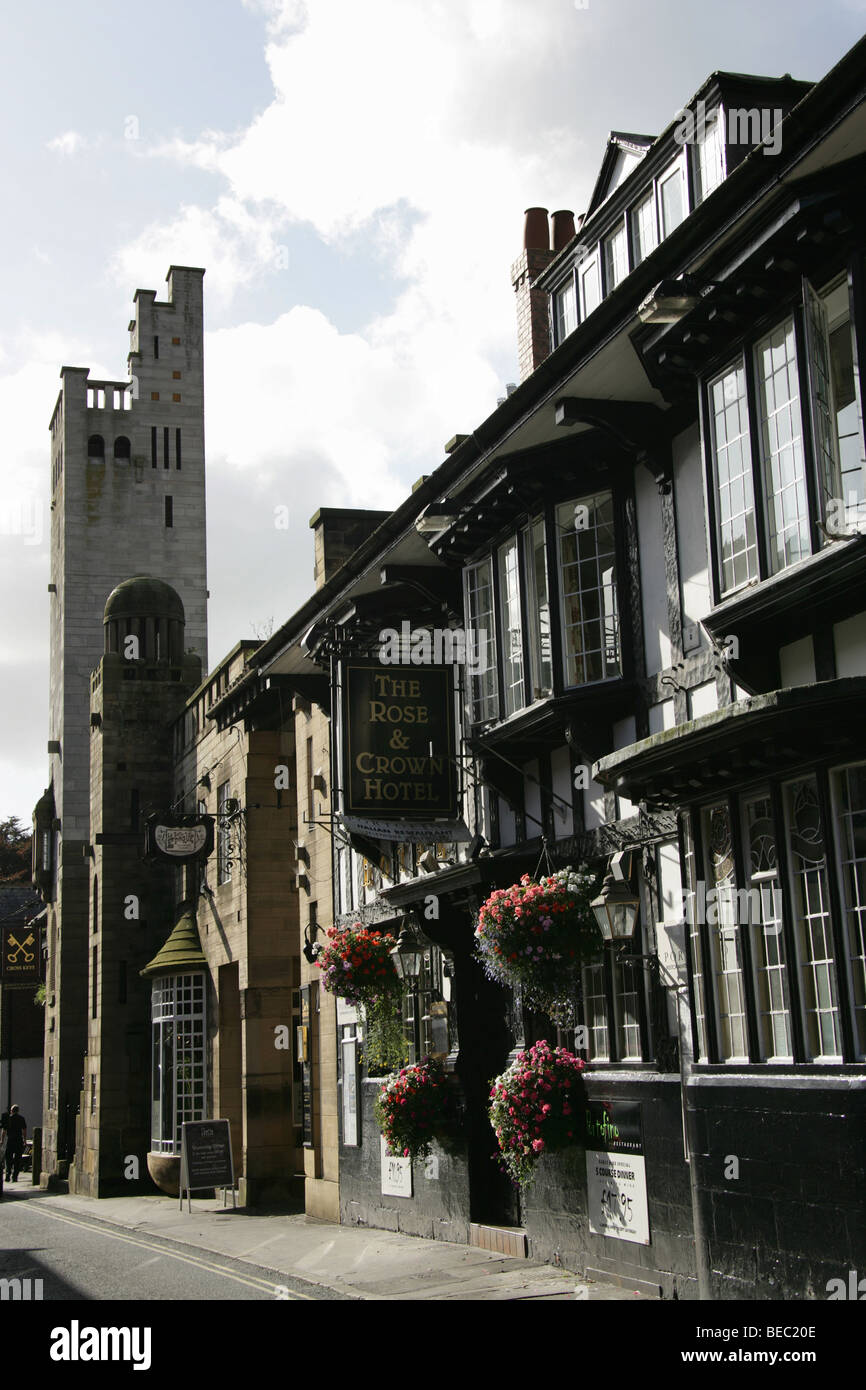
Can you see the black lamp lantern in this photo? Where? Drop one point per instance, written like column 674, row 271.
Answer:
column 616, row 908
column 408, row 954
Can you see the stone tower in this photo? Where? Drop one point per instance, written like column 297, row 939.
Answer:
column 127, row 498
column 137, row 692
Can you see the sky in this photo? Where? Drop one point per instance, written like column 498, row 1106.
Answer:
column 353, row 178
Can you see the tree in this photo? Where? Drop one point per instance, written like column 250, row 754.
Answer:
column 14, row 849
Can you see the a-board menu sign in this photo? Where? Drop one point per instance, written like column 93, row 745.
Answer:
column 398, row 749
column 205, row 1155
column 615, row 1171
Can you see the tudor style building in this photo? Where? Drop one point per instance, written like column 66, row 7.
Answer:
column 658, row 536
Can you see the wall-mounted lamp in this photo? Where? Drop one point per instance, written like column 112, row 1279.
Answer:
column 617, row 906
column 312, row 949
column 408, row 954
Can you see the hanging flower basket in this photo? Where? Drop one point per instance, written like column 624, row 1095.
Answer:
column 537, row 935
column 357, row 965
column 537, row 1107
column 413, row 1108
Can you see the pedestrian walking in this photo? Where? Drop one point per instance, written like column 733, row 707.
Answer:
column 3, row 1138
column 16, row 1133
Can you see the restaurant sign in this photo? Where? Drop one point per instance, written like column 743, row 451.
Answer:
column 616, row 1189
column 398, row 742
column 178, row 838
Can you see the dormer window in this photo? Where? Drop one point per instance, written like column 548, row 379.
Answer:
column 709, row 165
column 589, row 280
column 673, row 203
column 615, row 258
column 565, row 310
column 644, row 228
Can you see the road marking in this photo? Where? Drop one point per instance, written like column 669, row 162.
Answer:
column 251, row 1282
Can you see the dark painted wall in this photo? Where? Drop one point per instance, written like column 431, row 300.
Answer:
column 796, row 1215
column 439, row 1207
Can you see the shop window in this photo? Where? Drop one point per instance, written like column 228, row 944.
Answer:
column 178, row 1089
column 849, row 788
column 811, row 906
column 590, row 619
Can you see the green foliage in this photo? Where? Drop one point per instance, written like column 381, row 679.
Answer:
column 14, row 849
column 385, row 1047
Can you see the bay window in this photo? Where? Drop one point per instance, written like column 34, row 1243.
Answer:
column 511, row 626
column 538, row 609
column 768, row 511
column 178, row 1091
column 590, row 620
column 777, row 975
column 483, row 696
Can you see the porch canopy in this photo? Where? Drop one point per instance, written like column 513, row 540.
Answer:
column 783, row 730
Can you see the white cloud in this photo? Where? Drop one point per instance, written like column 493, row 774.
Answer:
column 69, row 143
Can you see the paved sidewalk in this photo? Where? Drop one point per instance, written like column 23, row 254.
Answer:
column 363, row 1263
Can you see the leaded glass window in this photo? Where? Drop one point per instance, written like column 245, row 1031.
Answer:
column 781, row 437
column 732, row 460
column 725, row 945
column 178, row 1080
column 590, row 619
column 850, row 795
column 811, row 906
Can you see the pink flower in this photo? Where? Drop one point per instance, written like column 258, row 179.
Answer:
column 538, row 1145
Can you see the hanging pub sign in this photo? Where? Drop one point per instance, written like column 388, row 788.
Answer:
column 398, row 742
column 20, row 959
column 178, row 839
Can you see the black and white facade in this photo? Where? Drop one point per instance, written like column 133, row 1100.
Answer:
column 659, row 536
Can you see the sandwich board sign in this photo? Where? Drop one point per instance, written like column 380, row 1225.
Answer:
column 206, row 1158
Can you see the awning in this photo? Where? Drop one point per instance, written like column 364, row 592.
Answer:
column 181, row 952
column 754, row 738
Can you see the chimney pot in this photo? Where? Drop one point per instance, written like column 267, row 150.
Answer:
column 536, row 236
column 562, row 229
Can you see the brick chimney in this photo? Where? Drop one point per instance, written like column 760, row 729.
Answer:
column 337, row 532
column 533, row 322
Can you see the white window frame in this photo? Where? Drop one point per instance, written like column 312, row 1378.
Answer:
column 589, row 265
column 178, row 1004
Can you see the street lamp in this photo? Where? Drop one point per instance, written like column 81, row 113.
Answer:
column 616, row 909
column 407, row 955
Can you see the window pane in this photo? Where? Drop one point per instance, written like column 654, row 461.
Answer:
column 565, row 311
column 850, row 794
column 590, row 620
column 626, row 1003
column 590, row 286
column 811, row 905
column 836, row 407
column 643, row 228
column 710, row 158
column 732, row 465
column 510, row 626
column 615, row 259
column 535, row 563
column 763, row 911
column 697, row 953
column 783, row 468
column 595, row 1012
column 481, row 683
column 672, row 200
column 724, row 935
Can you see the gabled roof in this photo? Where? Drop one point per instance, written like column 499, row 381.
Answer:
column 619, row 142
